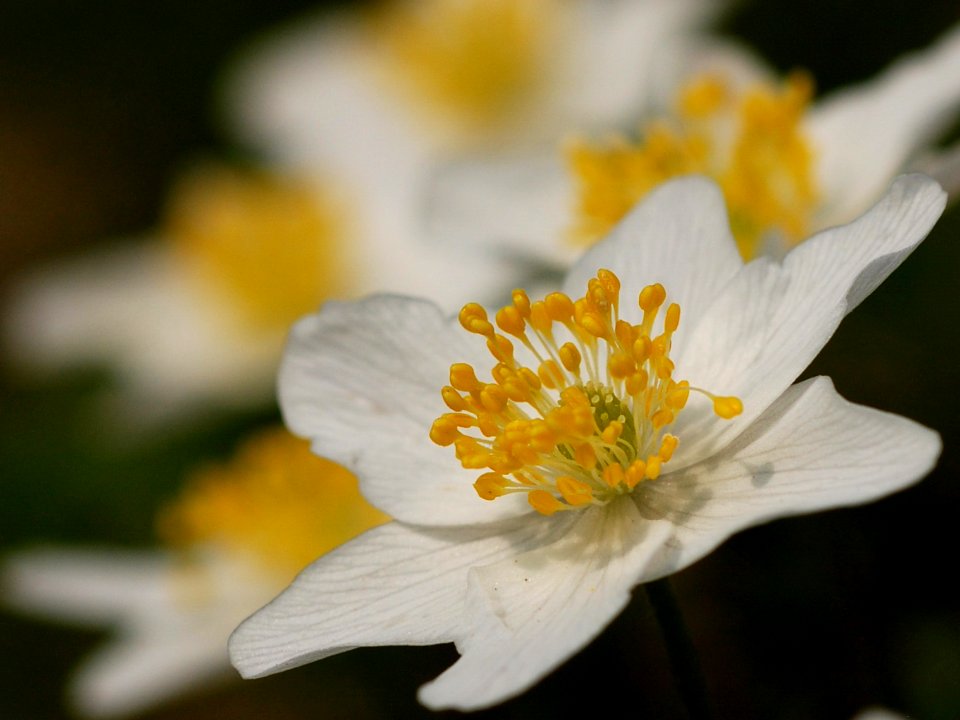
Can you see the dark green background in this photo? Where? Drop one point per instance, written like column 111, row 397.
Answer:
column 814, row 617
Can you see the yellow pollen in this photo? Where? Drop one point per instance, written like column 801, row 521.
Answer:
column 588, row 421
column 752, row 143
column 274, row 501
column 470, row 62
column 268, row 244
column 727, row 407
column 702, row 97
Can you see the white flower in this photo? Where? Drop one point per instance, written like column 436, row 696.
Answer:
column 197, row 313
column 381, row 92
column 788, row 167
column 384, row 102
column 599, row 467
column 236, row 536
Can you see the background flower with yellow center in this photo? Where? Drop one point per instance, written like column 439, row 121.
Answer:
column 388, row 98
column 519, row 589
column 198, row 311
column 789, row 164
column 196, row 315
column 237, row 534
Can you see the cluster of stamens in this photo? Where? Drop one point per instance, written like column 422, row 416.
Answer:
column 589, row 422
column 752, row 142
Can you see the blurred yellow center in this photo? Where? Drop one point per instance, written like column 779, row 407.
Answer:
column 274, row 500
column 268, row 243
column 752, row 143
column 473, row 60
column 589, row 422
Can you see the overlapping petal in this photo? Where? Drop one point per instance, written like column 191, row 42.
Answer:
column 772, row 319
column 171, row 621
column 173, row 342
column 86, row 586
column 529, row 613
column 864, row 134
column 396, row 584
column 810, row 450
column 678, row 237
column 362, row 381
column 144, row 668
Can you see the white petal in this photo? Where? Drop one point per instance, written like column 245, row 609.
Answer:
column 519, row 205
column 173, row 342
column 363, row 381
column 309, row 96
column 93, row 587
column 678, row 236
column 740, row 67
column 533, row 611
column 864, row 135
column 620, row 51
column 311, row 99
column 943, row 165
column 172, row 620
column 395, row 584
column 143, row 669
column 811, row 450
column 773, row 319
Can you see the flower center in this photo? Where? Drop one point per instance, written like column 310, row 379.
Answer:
column 590, row 420
column 274, row 501
column 267, row 243
column 474, row 61
column 752, row 143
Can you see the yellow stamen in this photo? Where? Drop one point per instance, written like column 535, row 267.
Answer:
column 268, row 244
column 274, row 501
column 753, row 144
column 589, row 424
column 727, row 407
column 472, row 62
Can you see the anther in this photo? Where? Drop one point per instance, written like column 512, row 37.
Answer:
column 652, row 471
column 635, row 473
column 672, row 320
column 727, row 407
column 521, row 302
column 500, row 347
column 559, row 307
column 573, row 491
column 540, row 319
column 453, row 399
column 612, row 432
column 585, row 457
column 570, row 357
column 613, row 475
column 463, row 377
column 543, row 502
column 511, row 321
column 473, row 318
column 490, row 486
column 667, row 447
column 621, row 365
column 652, row 297
column 550, row 375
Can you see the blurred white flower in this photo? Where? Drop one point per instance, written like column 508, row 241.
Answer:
column 198, row 313
column 598, row 457
column 387, row 98
column 787, row 166
column 236, row 536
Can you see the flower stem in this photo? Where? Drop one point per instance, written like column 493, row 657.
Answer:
column 683, row 656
